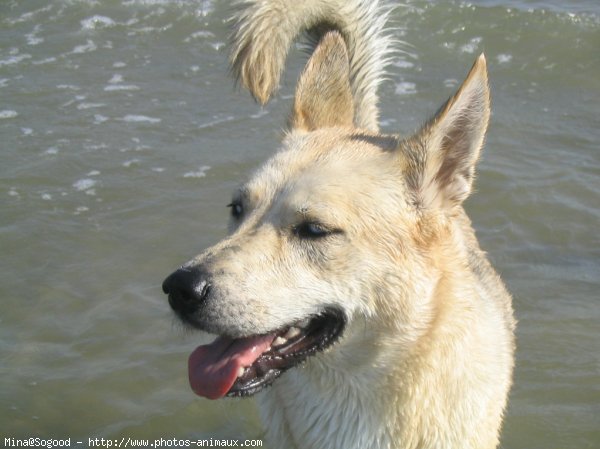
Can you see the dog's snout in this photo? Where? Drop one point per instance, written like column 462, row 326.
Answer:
column 187, row 288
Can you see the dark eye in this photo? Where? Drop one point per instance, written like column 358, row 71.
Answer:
column 236, row 209
column 312, row 230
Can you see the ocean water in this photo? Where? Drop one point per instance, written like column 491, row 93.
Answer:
column 122, row 136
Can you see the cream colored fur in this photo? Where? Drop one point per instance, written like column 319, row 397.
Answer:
column 264, row 31
column 427, row 356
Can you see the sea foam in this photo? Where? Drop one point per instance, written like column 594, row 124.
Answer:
column 96, row 22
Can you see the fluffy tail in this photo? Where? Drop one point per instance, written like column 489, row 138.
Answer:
column 265, row 29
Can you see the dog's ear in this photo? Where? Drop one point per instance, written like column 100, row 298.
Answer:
column 450, row 143
column 323, row 96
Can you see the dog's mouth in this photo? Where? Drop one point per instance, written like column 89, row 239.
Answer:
column 244, row 366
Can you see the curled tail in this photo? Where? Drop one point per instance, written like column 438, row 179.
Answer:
column 265, row 29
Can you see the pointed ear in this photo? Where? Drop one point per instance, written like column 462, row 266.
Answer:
column 452, row 142
column 323, row 96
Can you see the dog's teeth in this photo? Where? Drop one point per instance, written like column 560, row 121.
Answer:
column 279, row 341
column 241, row 370
column 292, row 332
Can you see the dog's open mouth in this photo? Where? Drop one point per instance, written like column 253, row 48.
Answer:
column 244, row 366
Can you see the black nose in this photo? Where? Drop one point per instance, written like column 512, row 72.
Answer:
column 187, row 288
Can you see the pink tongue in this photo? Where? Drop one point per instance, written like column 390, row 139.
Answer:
column 213, row 368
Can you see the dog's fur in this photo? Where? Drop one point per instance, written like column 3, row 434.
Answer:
column 426, row 358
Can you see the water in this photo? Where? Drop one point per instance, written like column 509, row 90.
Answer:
column 122, row 135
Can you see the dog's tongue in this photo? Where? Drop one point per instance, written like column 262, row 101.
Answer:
column 213, row 368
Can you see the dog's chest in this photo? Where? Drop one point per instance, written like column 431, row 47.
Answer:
column 300, row 413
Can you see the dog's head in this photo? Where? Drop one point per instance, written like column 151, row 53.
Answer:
column 339, row 226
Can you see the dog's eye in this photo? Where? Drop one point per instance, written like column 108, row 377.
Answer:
column 312, row 230
column 236, row 209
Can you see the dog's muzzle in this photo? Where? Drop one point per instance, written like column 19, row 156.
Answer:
column 188, row 289
column 244, row 363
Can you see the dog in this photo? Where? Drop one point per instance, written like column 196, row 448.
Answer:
column 352, row 283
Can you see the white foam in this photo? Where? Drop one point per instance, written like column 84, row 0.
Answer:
column 27, row 131
column 201, row 173
column 44, row 61
column 472, row 45
column 46, row 197
column 98, row 118
column 31, row 14
column 97, row 22
column 84, row 184
column 151, row 3
column 116, row 79
column 387, row 122
column 130, row 162
column 74, row 100
column 217, row 120
column 15, row 59
column 83, row 106
column 88, row 47
column 406, row 88
column 140, row 119
column 4, row 82
column 117, row 87
column 261, row 112
column 403, row 64
column 206, row 8
column 68, row 87
column 32, row 39
column 8, row 114
column 119, row 64
column 93, row 173
column 451, row 82
column 217, row 45
column 504, row 58
column 51, row 151
column 158, row 169
column 94, row 146
column 198, row 35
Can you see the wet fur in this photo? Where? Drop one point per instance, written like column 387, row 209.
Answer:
column 426, row 360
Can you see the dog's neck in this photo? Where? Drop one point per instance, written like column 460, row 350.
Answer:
column 309, row 406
